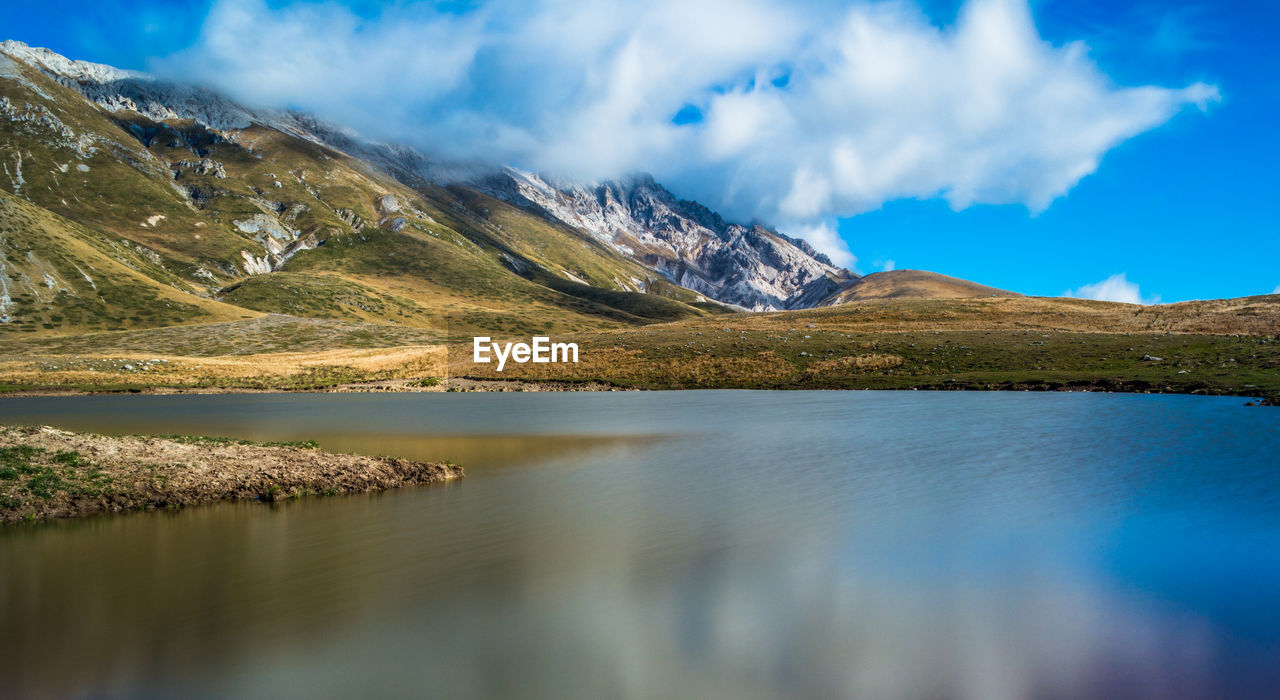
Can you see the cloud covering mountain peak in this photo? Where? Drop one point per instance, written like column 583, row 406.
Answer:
column 790, row 113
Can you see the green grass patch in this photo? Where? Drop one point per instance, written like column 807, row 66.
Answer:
column 29, row 472
column 215, row 440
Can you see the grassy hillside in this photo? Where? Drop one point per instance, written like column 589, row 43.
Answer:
column 912, row 284
column 266, row 352
column 326, row 296
column 58, row 277
column 77, row 163
column 267, row 334
column 273, row 222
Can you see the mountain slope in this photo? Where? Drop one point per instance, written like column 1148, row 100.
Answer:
column 57, row 275
column 683, row 241
column 222, row 197
column 278, row 212
column 749, row 266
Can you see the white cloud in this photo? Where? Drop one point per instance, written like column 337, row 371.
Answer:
column 825, row 239
column 1276, row 290
column 811, row 111
column 1114, row 288
column 888, row 265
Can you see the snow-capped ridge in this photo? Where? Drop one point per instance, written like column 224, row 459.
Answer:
column 693, row 246
column 55, row 64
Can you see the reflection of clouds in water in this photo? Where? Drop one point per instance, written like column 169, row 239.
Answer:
column 866, row 635
column 728, row 624
column 812, row 630
column 623, row 610
column 482, row 451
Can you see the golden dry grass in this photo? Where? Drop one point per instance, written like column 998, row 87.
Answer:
column 1258, row 315
column 1226, row 346
column 267, row 370
column 916, row 284
column 855, row 363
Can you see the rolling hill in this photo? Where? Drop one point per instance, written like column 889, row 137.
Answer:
column 911, row 284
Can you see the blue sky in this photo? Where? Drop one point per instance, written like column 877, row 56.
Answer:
column 1181, row 201
column 1187, row 210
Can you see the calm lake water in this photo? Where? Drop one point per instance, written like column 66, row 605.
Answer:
column 696, row 544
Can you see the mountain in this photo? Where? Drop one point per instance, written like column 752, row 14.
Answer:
column 748, row 266
column 912, row 284
column 269, row 188
column 241, row 212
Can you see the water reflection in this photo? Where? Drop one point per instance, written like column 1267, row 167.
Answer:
column 481, row 451
column 384, row 595
column 826, row 545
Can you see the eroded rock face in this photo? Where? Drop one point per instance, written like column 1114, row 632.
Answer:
column 279, row 242
column 204, row 166
column 749, row 266
column 389, row 204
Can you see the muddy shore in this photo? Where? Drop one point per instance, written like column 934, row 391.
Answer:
column 452, row 384
column 471, row 384
column 50, row 473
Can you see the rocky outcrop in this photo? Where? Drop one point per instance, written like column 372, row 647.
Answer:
column 749, row 266
column 279, row 242
column 204, row 166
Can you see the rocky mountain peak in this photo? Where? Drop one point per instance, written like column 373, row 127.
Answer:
column 63, row 69
column 746, row 265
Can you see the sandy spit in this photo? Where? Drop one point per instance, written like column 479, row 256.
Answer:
column 50, row 473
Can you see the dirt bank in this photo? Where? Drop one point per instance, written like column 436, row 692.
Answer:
column 472, row 384
column 370, row 387
column 51, row 473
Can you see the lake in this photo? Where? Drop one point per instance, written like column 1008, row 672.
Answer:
column 680, row 544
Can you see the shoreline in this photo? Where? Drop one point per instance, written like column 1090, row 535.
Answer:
column 517, row 385
column 47, row 473
column 386, row 386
